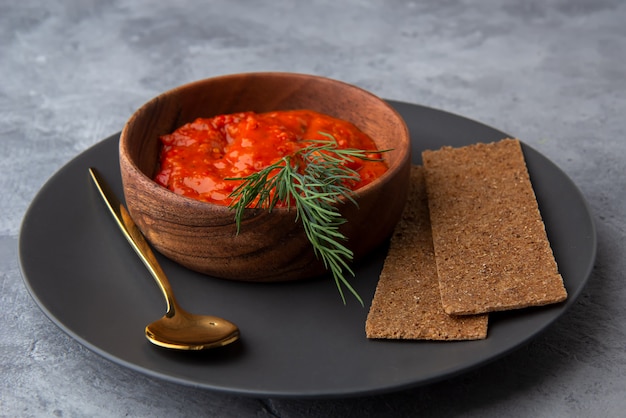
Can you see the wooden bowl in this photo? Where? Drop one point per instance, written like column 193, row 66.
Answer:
column 270, row 246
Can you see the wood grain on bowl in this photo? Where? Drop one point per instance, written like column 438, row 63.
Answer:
column 270, row 246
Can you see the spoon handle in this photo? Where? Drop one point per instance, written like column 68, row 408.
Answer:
column 134, row 237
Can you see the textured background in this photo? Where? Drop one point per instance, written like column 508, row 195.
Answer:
column 551, row 72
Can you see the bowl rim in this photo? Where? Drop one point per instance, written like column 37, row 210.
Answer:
column 189, row 201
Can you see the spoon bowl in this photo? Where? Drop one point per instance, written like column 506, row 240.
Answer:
column 187, row 331
column 177, row 329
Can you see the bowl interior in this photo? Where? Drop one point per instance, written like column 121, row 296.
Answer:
column 261, row 92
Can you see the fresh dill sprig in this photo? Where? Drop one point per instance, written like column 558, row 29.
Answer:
column 314, row 180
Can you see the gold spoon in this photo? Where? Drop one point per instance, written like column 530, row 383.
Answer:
column 178, row 329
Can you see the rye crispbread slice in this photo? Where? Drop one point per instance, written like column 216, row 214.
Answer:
column 407, row 302
column 490, row 242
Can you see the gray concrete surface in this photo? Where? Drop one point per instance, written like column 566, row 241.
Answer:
column 552, row 72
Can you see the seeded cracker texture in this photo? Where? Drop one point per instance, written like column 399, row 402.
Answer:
column 490, row 242
column 407, row 302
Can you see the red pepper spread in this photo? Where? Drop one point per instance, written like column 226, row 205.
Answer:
column 198, row 157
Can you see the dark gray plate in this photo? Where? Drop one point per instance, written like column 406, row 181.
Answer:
column 298, row 339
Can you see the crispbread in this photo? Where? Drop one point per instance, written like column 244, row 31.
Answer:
column 491, row 247
column 407, row 303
